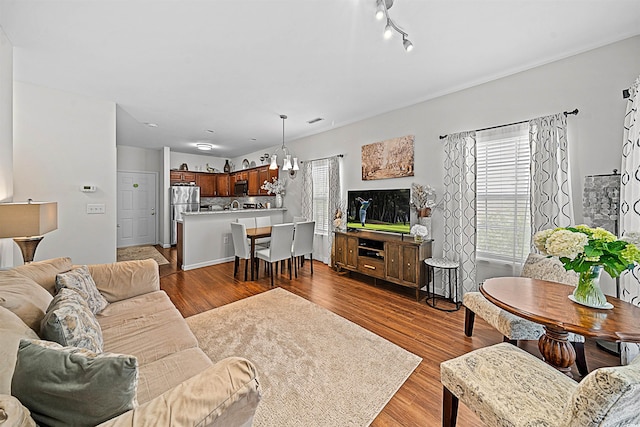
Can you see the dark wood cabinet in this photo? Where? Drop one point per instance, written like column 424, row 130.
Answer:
column 207, row 184
column 222, row 185
column 394, row 258
column 176, row 177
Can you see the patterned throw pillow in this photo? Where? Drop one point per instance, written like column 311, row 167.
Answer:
column 80, row 280
column 70, row 322
column 64, row 386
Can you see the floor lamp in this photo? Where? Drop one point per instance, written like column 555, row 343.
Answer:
column 26, row 223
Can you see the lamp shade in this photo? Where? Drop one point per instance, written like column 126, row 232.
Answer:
column 27, row 219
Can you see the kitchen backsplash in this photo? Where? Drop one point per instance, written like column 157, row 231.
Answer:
column 218, row 203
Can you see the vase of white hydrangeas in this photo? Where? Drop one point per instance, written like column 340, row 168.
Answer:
column 276, row 187
column 588, row 251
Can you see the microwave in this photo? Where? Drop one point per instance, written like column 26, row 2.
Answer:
column 241, row 188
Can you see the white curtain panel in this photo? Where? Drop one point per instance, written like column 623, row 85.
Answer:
column 460, row 208
column 630, row 205
column 551, row 204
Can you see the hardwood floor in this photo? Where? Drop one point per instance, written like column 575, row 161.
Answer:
column 387, row 310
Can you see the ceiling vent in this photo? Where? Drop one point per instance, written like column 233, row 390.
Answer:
column 316, row 120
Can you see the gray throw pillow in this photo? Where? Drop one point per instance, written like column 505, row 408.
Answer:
column 79, row 279
column 67, row 386
column 70, row 322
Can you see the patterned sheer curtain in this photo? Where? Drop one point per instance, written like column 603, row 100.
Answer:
column 322, row 242
column 550, row 187
column 307, row 190
column 629, row 202
column 460, row 207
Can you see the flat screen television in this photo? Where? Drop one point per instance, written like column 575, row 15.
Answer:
column 379, row 210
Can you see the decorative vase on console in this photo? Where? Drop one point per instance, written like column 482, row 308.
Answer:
column 278, row 200
column 588, row 251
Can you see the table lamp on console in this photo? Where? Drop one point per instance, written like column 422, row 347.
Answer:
column 26, row 223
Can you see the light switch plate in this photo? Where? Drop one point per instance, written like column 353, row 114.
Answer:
column 95, row 208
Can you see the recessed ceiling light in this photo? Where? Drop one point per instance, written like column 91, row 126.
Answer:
column 204, row 146
column 316, row 120
column 151, row 125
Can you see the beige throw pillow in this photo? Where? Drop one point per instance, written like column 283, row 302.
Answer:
column 64, row 386
column 81, row 281
column 24, row 297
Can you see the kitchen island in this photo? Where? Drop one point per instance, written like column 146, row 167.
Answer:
column 204, row 238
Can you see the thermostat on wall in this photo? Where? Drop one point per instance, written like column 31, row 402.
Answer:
column 88, row 188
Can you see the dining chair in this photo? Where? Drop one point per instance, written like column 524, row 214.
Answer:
column 248, row 222
column 297, row 219
column 506, row 386
column 241, row 247
column 303, row 243
column 514, row 328
column 279, row 249
column 263, row 221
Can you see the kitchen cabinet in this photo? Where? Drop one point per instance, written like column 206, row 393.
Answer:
column 207, row 184
column 254, row 183
column 176, row 177
column 222, row 185
column 265, row 174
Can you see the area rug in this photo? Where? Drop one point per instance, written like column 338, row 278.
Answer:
column 315, row 367
column 141, row 252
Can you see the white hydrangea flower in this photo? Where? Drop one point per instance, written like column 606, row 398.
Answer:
column 566, row 244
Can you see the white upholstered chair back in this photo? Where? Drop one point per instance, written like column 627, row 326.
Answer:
column 281, row 238
column 303, row 238
column 248, row 222
column 550, row 269
column 240, row 243
column 263, row 221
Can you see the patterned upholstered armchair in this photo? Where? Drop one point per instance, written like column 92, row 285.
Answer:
column 515, row 328
column 506, row 386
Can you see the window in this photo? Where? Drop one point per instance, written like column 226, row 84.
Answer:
column 502, row 185
column 320, row 175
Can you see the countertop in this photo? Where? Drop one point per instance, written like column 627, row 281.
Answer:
column 234, row 211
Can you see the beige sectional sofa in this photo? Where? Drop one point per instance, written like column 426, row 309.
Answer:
column 177, row 383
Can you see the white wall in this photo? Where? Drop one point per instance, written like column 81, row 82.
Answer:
column 135, row 159
column 6, row 138
column 592, row 82
column 63, row 141
column 196, row 162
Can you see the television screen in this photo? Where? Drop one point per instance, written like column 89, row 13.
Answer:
column 379, row 210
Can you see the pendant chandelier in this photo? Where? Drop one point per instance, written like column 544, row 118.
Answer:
column 289, row 162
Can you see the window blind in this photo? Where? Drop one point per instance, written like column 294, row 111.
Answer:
column 502, row 185
column 320, row 174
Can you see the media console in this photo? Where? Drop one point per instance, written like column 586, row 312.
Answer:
column 395, row 258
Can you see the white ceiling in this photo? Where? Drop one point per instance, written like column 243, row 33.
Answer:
column 233, row 66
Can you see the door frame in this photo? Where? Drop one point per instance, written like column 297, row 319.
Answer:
column 156, row 221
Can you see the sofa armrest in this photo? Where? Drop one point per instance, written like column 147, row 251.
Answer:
column 225, row 394
column 13, row 414
column 126, row 279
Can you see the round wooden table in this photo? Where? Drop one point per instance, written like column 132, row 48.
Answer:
column 547, row 303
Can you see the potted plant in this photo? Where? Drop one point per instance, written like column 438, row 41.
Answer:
column 423, row 199
column 276, row 187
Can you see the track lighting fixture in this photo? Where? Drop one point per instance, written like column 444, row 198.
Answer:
column 382, row 11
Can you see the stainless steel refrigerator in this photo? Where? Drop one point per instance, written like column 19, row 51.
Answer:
column 184, row 198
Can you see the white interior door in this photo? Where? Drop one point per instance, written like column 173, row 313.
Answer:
column 137, row 219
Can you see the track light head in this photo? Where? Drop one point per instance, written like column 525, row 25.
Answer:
column 388, row 31
column 380, row 9
column 408, row 46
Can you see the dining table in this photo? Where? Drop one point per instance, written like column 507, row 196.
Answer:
column 547, row 303
column 253, row 234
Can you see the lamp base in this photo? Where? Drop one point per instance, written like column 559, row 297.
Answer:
column 28, row 246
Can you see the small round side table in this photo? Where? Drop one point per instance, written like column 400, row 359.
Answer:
column 447, row 266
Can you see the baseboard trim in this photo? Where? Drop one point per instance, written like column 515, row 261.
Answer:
column 206, row 263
